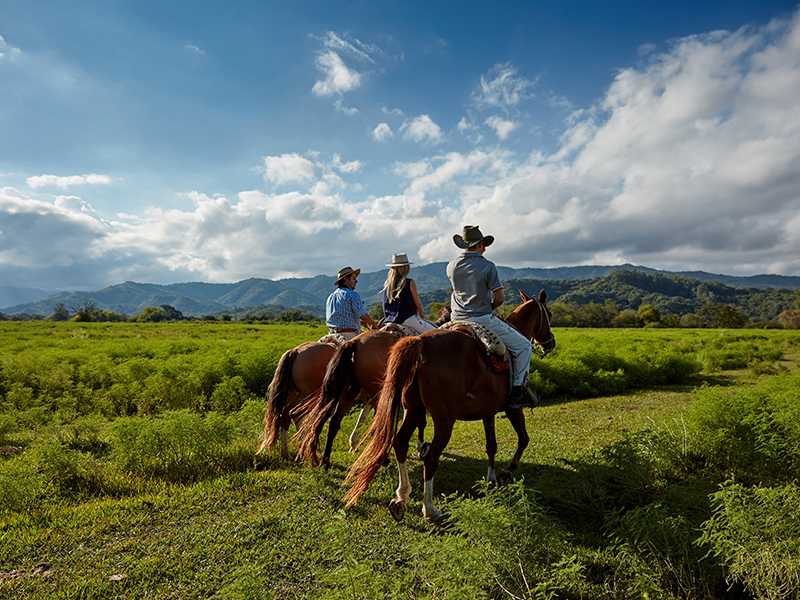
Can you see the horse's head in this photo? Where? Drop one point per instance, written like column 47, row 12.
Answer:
column 534, row 321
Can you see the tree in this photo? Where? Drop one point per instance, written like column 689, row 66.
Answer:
column 722, row 315
column 151, row 314
column 691, row 321
column 171, row 313
column 85, row 313
column 626, row 318
column 790, row 319
column 60, row 312
column 648, row 315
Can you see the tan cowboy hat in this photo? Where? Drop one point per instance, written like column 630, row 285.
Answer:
column 345, row 272
column 472, row 235
column 399, row 260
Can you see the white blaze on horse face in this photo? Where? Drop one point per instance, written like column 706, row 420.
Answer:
column 429, row 511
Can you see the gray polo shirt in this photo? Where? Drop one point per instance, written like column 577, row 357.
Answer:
column 474, row 279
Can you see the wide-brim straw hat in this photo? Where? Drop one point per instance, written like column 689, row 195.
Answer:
column 472, row 235
column 399, row 260
column 345, row 272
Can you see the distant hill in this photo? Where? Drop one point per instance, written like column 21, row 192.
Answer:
column 762, row 297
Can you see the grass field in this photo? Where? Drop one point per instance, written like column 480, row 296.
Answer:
column 128, row 472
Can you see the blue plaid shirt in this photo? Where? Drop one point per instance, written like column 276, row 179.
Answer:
column 344, row 309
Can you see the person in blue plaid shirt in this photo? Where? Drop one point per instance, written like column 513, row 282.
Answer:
column 345, row 312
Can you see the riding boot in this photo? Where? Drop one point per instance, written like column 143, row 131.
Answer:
column 519, row 397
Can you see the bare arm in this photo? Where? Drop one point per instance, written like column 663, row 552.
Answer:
column 368, row 322
column 413, row 287
column 498, row 299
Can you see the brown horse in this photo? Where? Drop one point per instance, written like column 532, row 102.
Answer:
column 444, row 372
column 356, row 370
column 299, row 375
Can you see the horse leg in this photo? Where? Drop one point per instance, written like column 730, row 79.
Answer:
column 398, row 506
column 517, row 419
column 362, row 418
column 422, row 446
column 491, row 448
column 441, row 437
column 345, row 402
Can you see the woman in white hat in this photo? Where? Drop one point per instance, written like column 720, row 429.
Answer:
column 400, row 300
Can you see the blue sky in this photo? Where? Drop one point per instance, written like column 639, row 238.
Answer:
column 216, row 141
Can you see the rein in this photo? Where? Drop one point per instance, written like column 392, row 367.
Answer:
column 538, row 348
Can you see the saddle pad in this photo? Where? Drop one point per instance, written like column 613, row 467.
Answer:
column 488, row 338
column 333, row 339
column 398, row 329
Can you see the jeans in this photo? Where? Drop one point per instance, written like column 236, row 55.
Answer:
column 519, row 348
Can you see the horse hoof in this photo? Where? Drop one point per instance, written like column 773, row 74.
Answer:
column 397, row 509
column 423, row 450
column 506, row 477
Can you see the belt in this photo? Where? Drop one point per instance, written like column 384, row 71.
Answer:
column 338, row 330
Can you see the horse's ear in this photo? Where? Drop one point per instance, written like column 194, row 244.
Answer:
column 524, row 297
column 543, row 297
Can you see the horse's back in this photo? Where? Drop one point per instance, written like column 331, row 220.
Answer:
column 310, row 365
column 453, row 374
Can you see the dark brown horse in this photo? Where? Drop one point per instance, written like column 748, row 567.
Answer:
column 299, row 375
column 444, row 372
column 356, row 371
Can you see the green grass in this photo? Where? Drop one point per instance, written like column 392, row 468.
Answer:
column 619, row 495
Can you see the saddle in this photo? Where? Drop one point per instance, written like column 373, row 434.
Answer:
column 333, row 339
column 493, row 348
column 398, row 330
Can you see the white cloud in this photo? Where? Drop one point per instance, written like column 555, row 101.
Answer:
column 7, row 51
column 382, row 132
column 287, row 168
column 421, row 129
column 338, row 78
column 689, row 161
column 502, row 88
column 193, row 48
column 501, row 127
column 38, row 181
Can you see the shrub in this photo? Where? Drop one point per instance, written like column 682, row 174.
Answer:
column 180, row 445
column 756, row 534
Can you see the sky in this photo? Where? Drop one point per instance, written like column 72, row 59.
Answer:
column 216, row 141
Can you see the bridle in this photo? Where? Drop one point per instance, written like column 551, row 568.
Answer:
column 538, row 347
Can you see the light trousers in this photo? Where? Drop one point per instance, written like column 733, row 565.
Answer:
column 518, row 346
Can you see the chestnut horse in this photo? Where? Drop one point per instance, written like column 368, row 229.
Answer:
column 357, row 368
column 299, row 375
column 444, row 372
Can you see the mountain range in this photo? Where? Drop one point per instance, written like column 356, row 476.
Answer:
column 674, row 291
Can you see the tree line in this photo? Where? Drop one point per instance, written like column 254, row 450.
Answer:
column 88, row 312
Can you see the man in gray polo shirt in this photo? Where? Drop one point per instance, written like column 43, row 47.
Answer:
column 477, row 291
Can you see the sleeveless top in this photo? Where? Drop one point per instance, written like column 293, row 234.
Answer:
column 402, row 308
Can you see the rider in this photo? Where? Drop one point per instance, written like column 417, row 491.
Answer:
column 345, row 312
column 477, row 291
column 400, row 300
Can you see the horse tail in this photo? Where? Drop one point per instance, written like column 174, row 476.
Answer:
column 325, row 402
column 276, row 403
column 401, row 372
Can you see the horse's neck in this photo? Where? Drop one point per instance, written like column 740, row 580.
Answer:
column 523, row 319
